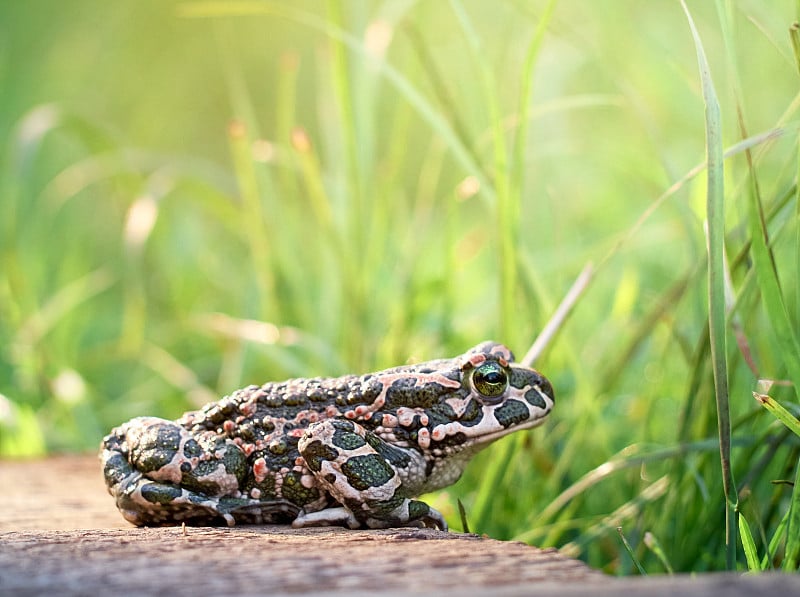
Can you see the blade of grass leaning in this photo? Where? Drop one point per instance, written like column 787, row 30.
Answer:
column 794, row 33
column 462, row 512
column 632, row 555
column 780, row 413
column 516, row 182
column 437, row 80
column 792, row 557
column 775, row 542
column 505, row 207
column 764, row 261
column 794, row 36
column 344, row 101
column 563, row 310
column 253, row 222
column 716, row 284
column 526, row 93
column 654, row 545
column 749, row 545
column 772, row 295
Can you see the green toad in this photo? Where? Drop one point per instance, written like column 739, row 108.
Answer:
column 352, row 450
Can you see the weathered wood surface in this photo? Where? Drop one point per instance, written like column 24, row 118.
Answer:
column 60, row 533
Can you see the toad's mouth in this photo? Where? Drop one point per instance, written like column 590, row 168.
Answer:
column 487, row 438
column 495, row 423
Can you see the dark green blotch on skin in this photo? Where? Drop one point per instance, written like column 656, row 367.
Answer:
column 511, row 413
column 192, row 449
column 197, row 498
column 266, row 487
column 383, row 508
column 406, row 392
column 247, row 432
column 294, row 491
column 441, row 413
column 368, row 470
column 235, row 463
column 343, row 425
column 455, row 441
column 397, row 457
column 535, row 398
column 364, row 392
column 472, row 414
column 278, row 446
column 347, row 440
column 159, row 493
column 520, row 378
column 417, row 510
column 316, row 452
column 190, row 480
column 116, row 469
column 157, row 447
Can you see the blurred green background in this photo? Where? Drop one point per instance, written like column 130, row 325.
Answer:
column 195, row 196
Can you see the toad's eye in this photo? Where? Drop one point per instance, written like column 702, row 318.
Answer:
column 490, row 380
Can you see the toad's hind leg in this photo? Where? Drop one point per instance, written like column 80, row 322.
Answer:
column 160, row 474
column 363, row 473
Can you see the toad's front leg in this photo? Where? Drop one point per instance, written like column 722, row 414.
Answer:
column 363, row 473
column 159, row 473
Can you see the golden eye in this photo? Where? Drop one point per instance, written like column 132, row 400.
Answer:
column 490, row 380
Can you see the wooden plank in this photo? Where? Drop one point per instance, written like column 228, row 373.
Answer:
column 60, row 533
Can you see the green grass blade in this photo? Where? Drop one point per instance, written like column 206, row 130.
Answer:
column 341, row 77
column 777, row 311
column 462, row 513
column 716, row 283
column 526, row 93
column 562, row 312
column 481, row 510
column 438, row 82
column 654, row 545
column 797, row 235
column 794, row 36
column 767, row 277
column 750, row 552
column 775, row 542
column 792, row 557
column 632, row 555
column 506, row 206
column 780, row 413
column 253, row 221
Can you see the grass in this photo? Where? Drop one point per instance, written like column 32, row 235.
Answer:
column 199, row 195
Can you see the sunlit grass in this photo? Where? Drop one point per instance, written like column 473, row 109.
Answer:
column 201, row 195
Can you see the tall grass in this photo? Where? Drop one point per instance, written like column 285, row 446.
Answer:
column 201, row 195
